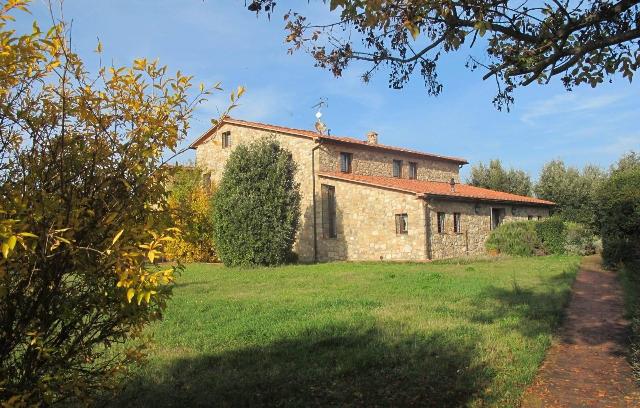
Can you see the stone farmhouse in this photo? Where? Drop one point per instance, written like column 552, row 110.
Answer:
column 362, row 200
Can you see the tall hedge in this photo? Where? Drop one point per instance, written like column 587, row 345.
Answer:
column 257, row 206
column 553, row 235
column 618, row 216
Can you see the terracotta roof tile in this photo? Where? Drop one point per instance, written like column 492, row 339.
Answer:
column 436, row 188
column 316, row 135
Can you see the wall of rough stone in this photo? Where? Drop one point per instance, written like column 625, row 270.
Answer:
column 372, row 162
column 475, row 225
column 366, row 229
column 212, row 157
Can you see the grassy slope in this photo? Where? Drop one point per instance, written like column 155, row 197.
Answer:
column 355, row 334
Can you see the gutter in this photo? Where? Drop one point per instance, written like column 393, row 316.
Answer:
column 313, row 192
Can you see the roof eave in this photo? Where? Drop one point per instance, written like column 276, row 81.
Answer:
column 493, row 200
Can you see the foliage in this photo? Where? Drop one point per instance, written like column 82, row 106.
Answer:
column 618, row 216
column 355, row 334
column 257, row 206
column 626, row 162
column 82, row 198
column 552, row 232
column 495, row 177
column 629, row 275
column 191, row 211
column 571, row 189
column 580, row 42
column 580, row 240
column 518, row 238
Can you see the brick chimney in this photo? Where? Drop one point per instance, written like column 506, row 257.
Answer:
column 452, row 183
column 372, row 138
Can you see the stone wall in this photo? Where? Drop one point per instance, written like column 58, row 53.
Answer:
column 475, row 225
column 212, row 158
column 366, row 227
column 372, row 162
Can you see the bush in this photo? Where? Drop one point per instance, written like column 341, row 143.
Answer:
column 515, row 238
column 257, row 206
column 191, row 211
column 580, row 240
column 82, row 212
column 630, row 279
column 618, row 215
column 553, row 235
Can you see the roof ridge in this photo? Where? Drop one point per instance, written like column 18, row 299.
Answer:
column 314, row 134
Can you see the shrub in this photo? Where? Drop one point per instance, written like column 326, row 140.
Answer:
column 515, row 238
column 191, row 211
column 580, row 239
column 552, row 234
column 82, row 207
column 257, row 206
column 618, row 215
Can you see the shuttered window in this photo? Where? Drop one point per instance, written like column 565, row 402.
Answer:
column 457, row 225
column 329, row 229
column 413, row 170
column 226, row 140
column 397, row 168
column 345, row 162
column 441, row 218
column 402, row 224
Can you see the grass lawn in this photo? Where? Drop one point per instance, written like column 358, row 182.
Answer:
column 356, row 334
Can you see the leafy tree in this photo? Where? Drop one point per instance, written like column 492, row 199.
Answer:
column 257, row 206
column 571, row 189
column 495, row 177
column 618, row 216
column 522, row 43
column 626, row 162
column 191, row 211
column 82, row 207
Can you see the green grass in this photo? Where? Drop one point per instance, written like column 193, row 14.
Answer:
column 355, row 334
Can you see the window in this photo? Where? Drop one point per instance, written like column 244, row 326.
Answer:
column 529, row 217
column 497, row 215
column 226, row 140
column 413, row 170
column 345, row 162
column 328, row 211
column 402, row 224
column 397, row 168
column 206, row 181
column 457, row 226
column 441, row 216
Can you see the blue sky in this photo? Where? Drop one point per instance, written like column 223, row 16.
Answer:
column 222, row 41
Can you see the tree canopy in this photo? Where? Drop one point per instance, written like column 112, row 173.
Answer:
column 495, row 177
column 521, row 42
column 573, row 190
column 256, row 209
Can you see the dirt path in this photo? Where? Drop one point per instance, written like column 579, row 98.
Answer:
column 587, row 366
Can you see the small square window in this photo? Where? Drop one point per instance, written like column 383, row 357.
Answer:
column 226, row 140
column 402, row 224
column 457, row 224
column 441, row 217
column 397, row 168
column 345, row 162
column 413, row 170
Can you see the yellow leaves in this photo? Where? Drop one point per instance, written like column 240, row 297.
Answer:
column 413, row 29
column 130, row 293
column 98, row 49
column 140, row 64
column 117, row 237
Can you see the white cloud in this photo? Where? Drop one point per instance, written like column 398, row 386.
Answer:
column 566, row 103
